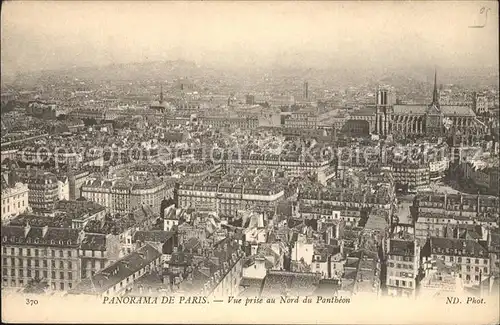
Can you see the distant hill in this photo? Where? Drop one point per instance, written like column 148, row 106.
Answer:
column 115, row 72
column 334, row 73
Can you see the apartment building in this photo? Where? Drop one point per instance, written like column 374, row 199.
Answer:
column 411, row 176
column 225, row 282
column 76, row 180
column 440, row 279
column 403, row 262
column 229, row 197
column 305, row 119
column 475, row 206
column 43, row 253
column 230, row 122
column 436, row 225
column 293, row 164
column 116, row 278
column 381, row 198
column 471, row 258
column 125, row 196
column 97, row 251
column 43, row 191
column 14, row 200
column 319, row 211
column 484, row 174
column 438, row 168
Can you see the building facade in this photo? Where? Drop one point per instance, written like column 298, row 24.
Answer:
column 471, row 258
column 411, row 176
column 403, row 262
column 43, row 253
column 43, row 191
column 124, row 197
column 14, row 200
column 229, row 198
column 230, row 122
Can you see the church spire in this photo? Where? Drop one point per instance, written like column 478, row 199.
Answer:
column 435, row 95
column 161, row 93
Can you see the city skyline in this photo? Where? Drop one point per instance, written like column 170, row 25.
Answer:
column 243, row 34
column 267, row 155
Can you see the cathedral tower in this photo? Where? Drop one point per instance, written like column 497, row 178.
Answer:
column 435, row 93
column 384, row 111
column 434, row 115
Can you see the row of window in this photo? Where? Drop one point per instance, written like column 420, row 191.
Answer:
column 456, row 207
column 467, row 260
column 21, row 283
column 228, row 194
column 401, row 283
column 36, row 263
column 468, row 278
column 401, row 266
column 8, row 207
column 401, row 258
column 93, row 253
column 36, row 273
column 36, row 252
column 477, row 269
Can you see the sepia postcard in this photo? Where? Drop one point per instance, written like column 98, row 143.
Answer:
column 262, row 162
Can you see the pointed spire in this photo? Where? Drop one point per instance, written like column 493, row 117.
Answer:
column 435, row 96
column 161, row 93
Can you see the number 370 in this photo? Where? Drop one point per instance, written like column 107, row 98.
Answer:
column 31, row 302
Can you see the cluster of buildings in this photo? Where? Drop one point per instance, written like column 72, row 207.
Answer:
column 251, row 195
column 127, row 193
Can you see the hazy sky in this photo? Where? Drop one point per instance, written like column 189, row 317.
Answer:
column 46, row 35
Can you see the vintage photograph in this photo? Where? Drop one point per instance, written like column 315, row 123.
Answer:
column 250, row 162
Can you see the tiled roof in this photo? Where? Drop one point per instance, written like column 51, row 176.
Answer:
column 410, row 109
column 118, row 271
column 291, row 283
column 452, row 246
column 363, row 112
column 327, row 287
column 58, row 221
column 157, row 236
column 456, row 110
column 53, row 237
column 94, row 242
column 191, row 243
column 78, row 209
column 402, row 247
